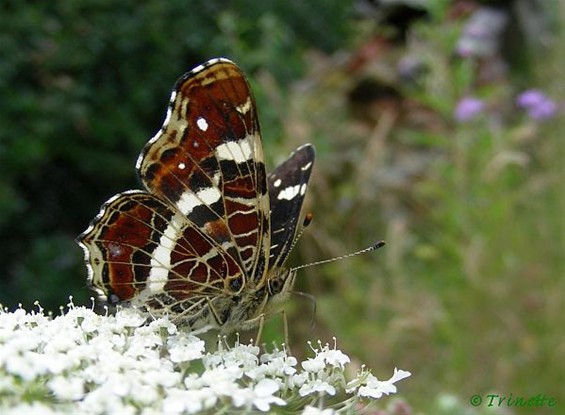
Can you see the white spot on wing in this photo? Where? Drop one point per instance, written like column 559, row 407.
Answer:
column 189, row 200
column 209, row 195
column 306, row 166
column 216, row 179
column 182, row 166
column 289, row 193
column 244, row 108
column 238, row 151
column 161, row 258
column 114, row 250
column 303, row 189
column 277, row 183
column 202, row 124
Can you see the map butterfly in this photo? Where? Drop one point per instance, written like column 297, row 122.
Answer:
column 206, row 240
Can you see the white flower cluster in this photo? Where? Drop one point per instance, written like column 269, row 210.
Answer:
column 87, row 363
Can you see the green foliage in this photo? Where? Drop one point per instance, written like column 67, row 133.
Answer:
column 84, row 85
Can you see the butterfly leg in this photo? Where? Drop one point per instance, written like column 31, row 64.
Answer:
column 256, row 322
column 261, row 323
column 285, row 329
column 212, row 309
column 260, row 329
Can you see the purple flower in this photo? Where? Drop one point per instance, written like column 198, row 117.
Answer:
column 468, row 108
column 543, row 111
column 530, row 98
column 537, row 104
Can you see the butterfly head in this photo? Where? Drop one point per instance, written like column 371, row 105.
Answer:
column 279, row 286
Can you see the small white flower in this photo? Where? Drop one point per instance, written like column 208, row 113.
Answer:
column 175, row 401
column 24, row 341
column 32, row 408
column 161, row 325
column 184, row 348
column 129, row 317
column 212, row 360
column 120, row 384
column 106, row 364
column 222, row 380
column 206, row 398
column 60, row 344
column 334, row 357
column 118, row 340
column 312, row 410
column 184, row 354
column 298, row 379
column 264, row 390
column 313, row 365
column 65, row 388
column 316, row 386
column 91, row 322
column 145, row 395
column 241, row 355
column 60, row 362
column 326, row 356
column 275, row 355
column 24, row 366
column 103, row 400
column 180, row 401
column 277, row 364
column 165, row 377
column 375, row 388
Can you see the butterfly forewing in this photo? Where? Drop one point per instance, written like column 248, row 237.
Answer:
column 207, row 161
column 287, row 188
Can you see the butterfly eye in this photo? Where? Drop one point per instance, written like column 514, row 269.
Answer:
column 276, row 285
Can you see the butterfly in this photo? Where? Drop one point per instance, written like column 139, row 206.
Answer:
column 206, row 239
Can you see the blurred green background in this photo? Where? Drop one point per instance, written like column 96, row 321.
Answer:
column 468, row 294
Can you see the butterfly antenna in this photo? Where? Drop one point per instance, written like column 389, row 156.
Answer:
column 377, row 245
column 307, row 220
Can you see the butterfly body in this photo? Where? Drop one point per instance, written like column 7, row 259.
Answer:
column 205, row 241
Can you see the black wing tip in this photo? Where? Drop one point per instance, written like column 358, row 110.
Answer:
column 307, row 148
column 379, row 244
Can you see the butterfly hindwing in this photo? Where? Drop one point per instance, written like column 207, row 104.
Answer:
column 139, row 248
